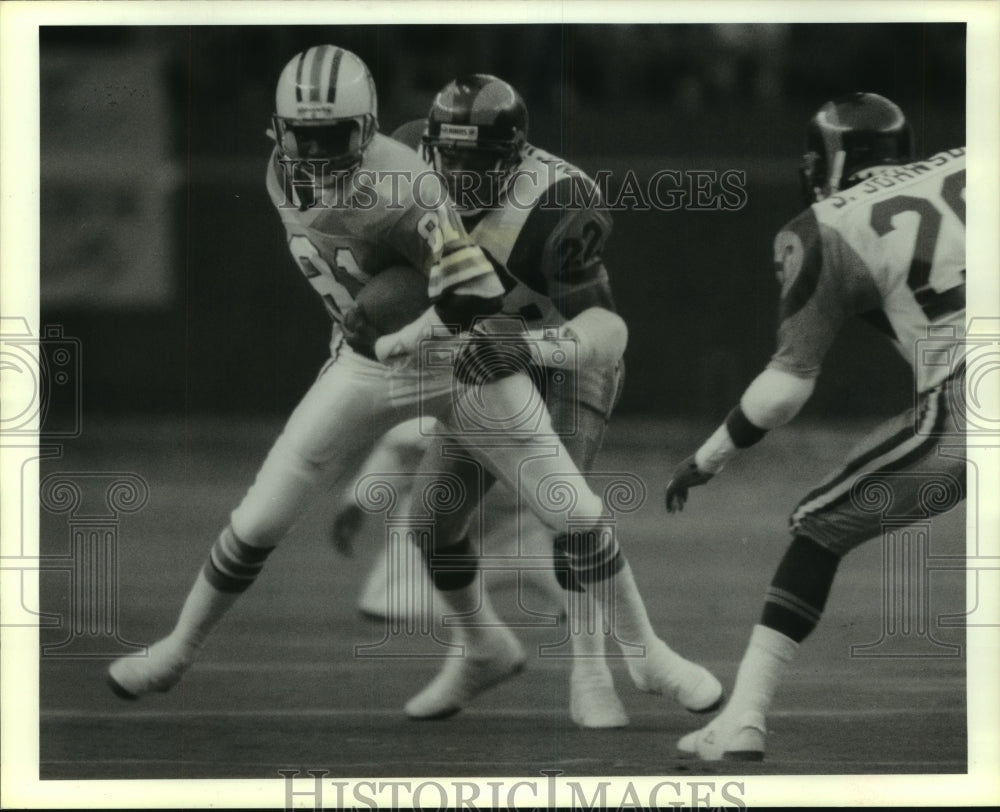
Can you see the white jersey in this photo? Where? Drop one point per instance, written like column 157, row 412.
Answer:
column 393, row 211
column 891, row 249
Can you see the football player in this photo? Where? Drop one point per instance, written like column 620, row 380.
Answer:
column 540, row 221
column 883, row 238
column 356, row 204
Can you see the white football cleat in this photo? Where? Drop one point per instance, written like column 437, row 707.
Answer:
column 464, row 678
column 159, row 671
column 663, row 671
column 721, row 739
column 593, row 702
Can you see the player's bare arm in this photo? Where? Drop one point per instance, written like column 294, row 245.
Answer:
column 854, row 250
column 814, row 304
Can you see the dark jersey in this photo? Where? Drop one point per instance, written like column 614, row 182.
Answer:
column 548, row 241
column 546, row 238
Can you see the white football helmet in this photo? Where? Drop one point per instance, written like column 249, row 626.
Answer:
column 325, row 110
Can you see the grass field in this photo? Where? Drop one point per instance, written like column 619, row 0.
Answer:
column 279, row 687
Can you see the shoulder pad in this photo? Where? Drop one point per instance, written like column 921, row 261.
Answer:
column 411, row 134
column 798, row 261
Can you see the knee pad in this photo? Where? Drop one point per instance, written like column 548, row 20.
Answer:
column 594, row 554
column 562, row 566
column 452, row 567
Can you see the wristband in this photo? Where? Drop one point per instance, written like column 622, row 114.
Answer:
column 743, row 433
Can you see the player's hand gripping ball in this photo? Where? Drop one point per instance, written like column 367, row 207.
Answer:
column 391, row 300
column 686, row 475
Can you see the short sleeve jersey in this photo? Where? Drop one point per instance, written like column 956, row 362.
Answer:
column 891, row 249
column 393, row 210
column 547, row 240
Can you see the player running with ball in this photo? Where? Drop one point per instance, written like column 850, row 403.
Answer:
column 541, row 223
column 356, row 204
column 885, row 239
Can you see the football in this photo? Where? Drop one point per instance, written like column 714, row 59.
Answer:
column 394, row 298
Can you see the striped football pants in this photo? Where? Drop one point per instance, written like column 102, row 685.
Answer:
column 897, row 472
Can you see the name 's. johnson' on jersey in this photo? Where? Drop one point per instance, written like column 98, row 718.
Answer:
column 339, row 248
column 892, row 249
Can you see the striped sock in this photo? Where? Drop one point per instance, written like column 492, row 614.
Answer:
column 795, row 600
column 233, row 565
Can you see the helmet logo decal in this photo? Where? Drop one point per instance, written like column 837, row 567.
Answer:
column 316, row 71
column 837, row 170
column 322, row 64
column 331, row 95
column 492, row 97
column 314, row 111
column 460, row 132
column 298, row 74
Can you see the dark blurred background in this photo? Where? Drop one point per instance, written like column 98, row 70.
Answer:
column 162, row 253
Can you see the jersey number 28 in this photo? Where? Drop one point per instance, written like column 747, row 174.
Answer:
column 934, row 303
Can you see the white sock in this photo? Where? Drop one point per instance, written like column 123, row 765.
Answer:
column 585, row 620
column 625, row 612
column 768, row 654
column 203, row 608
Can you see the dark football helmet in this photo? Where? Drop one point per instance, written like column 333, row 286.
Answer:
column 848, row 136
column 476, row 129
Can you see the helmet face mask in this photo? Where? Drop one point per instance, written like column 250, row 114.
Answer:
column 475, row 176
column 326, row 113
column 848, row 139
column 449, row 158
column 335, row 147
column 476, row 129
